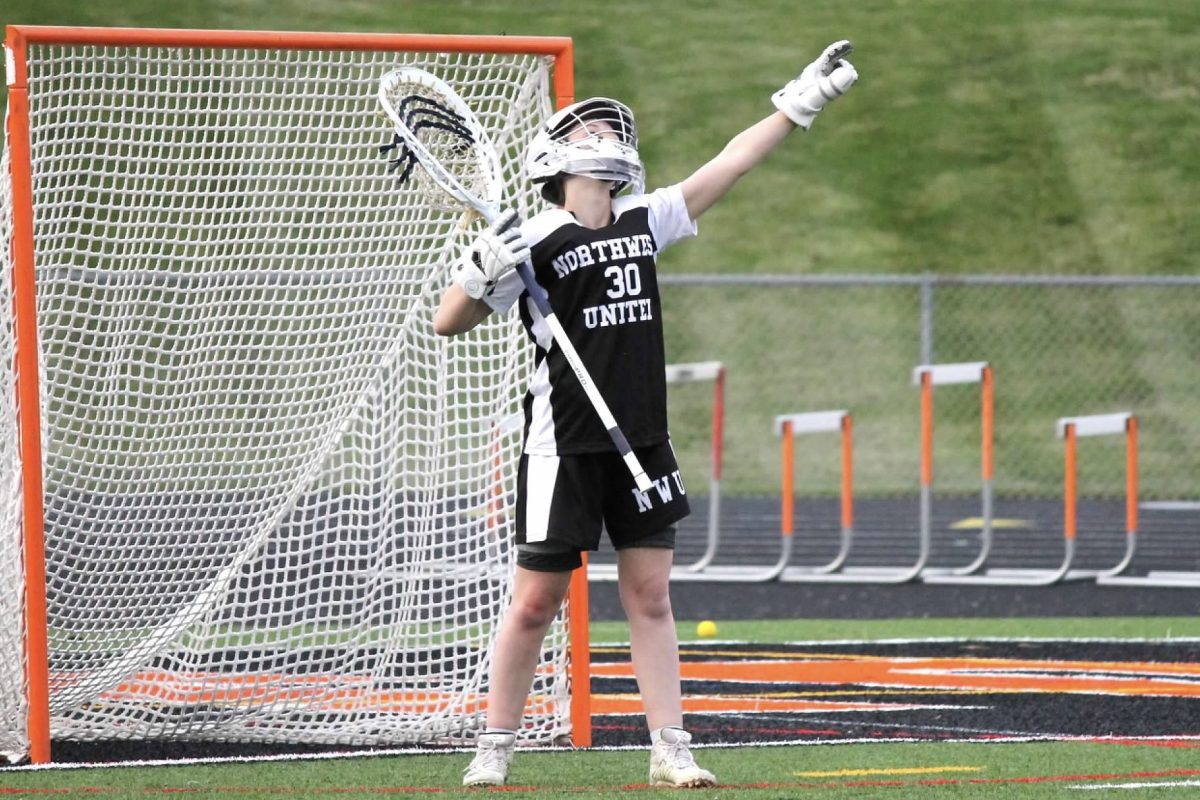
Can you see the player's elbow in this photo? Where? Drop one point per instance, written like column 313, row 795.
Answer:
column 445, row 323
column 458, row 313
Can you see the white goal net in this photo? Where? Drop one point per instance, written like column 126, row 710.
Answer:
column 274, row 499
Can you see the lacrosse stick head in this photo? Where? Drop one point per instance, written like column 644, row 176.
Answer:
column 439, row 143
column 595, row 137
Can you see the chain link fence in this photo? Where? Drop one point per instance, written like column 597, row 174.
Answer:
column 1059, row 346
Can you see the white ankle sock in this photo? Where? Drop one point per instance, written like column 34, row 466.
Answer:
column 656, row 735
column 498, row 732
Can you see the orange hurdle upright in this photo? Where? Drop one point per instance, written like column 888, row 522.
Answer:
column 789, row 426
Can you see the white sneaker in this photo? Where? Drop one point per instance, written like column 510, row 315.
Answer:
column 493, row 753
column 671, row 763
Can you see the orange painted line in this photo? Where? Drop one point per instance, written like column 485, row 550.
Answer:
column 746, row 704
column 307, row 691
column 1178, row 668
column 958, row 673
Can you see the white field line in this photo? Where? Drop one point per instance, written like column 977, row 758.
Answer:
column 1127, row 786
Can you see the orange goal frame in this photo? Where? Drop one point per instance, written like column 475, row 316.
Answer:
column 17, row 38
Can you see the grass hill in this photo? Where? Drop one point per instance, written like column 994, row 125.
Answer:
column 1015, row 137
column 1020, row 136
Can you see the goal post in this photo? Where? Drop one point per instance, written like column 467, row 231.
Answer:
column 247, row 495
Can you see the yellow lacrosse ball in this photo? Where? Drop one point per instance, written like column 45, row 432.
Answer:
column 706, row 629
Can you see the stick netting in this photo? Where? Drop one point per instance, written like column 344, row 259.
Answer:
column 273, row 497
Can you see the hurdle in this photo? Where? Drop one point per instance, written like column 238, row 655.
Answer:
column 1159, row 578
column 1069, row 429
column 789, row 426
column 691, row 373
column 926, row 376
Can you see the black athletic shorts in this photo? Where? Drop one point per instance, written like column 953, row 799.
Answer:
column 568, row 500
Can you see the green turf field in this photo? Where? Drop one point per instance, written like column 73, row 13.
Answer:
column 1033, row 771
column 911, row 770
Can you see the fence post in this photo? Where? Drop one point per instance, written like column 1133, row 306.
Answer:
column 927, row 281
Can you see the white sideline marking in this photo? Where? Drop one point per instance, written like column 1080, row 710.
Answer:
column 1147, row 785
column 823, row 743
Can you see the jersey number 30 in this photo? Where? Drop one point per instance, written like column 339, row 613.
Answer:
column 626, row 281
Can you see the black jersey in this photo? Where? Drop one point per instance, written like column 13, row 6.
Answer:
column 603, row 288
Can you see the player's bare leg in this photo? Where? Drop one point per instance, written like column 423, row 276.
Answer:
column 537, row 597
column 644, row 576
column 536, row 600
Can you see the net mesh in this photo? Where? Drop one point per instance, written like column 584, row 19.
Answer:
column 274, row 499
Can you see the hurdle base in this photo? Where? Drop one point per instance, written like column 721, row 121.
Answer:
column 1167, row 579
column 859, row 575
column 601, row 573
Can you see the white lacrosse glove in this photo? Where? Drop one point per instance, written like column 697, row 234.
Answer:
column 821, row 82
column 494, row 253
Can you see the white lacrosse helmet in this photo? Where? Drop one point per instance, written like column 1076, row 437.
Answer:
column 596, row 138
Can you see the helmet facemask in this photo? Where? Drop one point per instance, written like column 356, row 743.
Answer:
column 596, row 138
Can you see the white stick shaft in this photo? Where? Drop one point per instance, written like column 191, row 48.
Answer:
column 606, row 418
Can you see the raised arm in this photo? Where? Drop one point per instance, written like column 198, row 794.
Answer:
column 821, row 82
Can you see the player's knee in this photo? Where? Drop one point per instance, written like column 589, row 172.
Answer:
column 647, row 599
column 534, row 610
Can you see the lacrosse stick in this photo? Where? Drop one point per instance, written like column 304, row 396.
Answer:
column 444, row 150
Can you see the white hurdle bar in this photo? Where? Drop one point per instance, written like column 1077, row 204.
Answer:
column 1069, row 429
column 789, row 426
column 693, row 372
